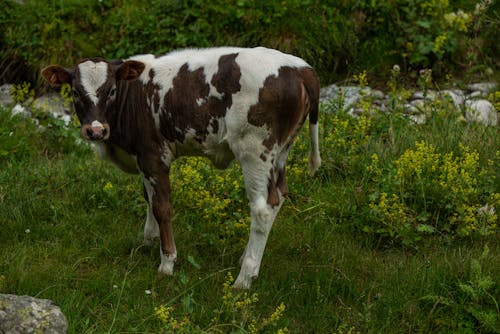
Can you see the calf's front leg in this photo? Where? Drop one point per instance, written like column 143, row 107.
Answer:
column 157, row 187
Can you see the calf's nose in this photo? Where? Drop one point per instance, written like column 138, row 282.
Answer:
column 95, row 131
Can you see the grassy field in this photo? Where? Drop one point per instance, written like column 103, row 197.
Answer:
column 71, row 231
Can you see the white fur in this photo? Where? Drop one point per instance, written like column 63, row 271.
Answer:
column 263, row 216
column 314, row 155
column 167, row 263
column 97, row 124
column 93, row 76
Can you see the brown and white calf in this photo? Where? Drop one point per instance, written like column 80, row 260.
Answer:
column 222, row 103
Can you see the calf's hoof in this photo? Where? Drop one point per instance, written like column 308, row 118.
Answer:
column 167, row 264
column 242, row 282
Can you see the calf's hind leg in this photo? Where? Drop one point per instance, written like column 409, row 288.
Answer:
column 151, row 228
column 265, row 201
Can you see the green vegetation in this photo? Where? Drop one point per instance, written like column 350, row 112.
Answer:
column 397, row 233
column 338, row 38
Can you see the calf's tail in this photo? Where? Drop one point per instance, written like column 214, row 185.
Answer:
column 312, row 87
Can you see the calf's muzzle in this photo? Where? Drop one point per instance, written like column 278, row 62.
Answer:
column 95, row 131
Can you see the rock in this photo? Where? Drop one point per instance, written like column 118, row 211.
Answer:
column 25, row 314
column 51, row 103
column 5, row 98
column 456, row 96
column 418, row 118
column 428, row 95
column 418, row 95
column 329, row 93
column 483, row 87
column 378, row 94
column 380, row 105
column 475, row 95
column 352, row 94
column 355, row 112
column 20, row 110
column 481, row 111
column 419, row 106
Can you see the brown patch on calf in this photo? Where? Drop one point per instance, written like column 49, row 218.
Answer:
column 181, row 110
column 275, row 184
column 281, row 182
column 188, row 104
column 227, row 78
column 273, row 198
column 281, row 106
column 132, row 125
column 157, row 173
column 311, row 84
column 163, row 210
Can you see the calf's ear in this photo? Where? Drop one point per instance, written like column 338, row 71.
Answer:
column 129, row 70
column 56, row 75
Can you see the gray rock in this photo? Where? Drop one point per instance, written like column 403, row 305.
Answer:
column 419, row 106
column 352, row 94
column 5, row 98
column 380, row 105
column 418, row 95
column 428, row 95
column 51, row 103
column 21, row 110
column 329, row 93
column 418, row 118
column 483, row 87
column 355, row 112
column 413, row 108
column 475, row 95
column 25, row 314
column 378, row 94
column 481, row 111
column 456, row 96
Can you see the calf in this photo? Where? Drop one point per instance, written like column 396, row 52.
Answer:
column 222, row 103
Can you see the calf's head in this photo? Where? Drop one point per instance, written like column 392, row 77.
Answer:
column 94, row 86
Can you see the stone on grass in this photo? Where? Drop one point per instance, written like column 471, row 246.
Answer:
column 5, row 98
column 329, row 93
column 418, row 118
column 481, row 111
column 456, row 96
column 51, row 103
column 20, row 110
column 483, row 87
column 25, row 314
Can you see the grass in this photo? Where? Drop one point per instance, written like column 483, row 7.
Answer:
column 71, row 231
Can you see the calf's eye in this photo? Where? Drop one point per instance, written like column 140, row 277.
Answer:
column 112, row 92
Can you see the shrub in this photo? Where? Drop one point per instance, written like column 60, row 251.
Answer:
column 216, row 196
column 236, row 312
column 427, row 192
column 431, row 33
column 337, row 39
